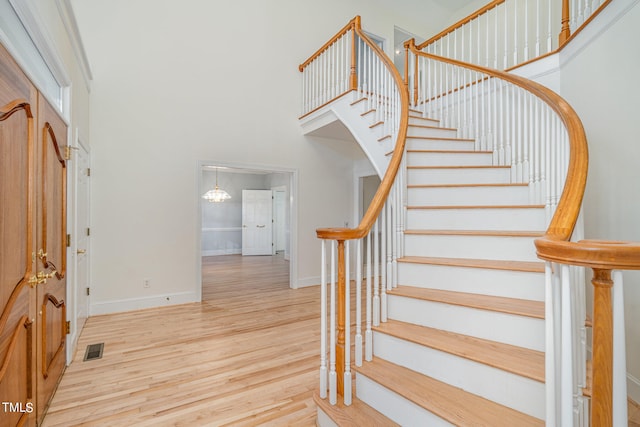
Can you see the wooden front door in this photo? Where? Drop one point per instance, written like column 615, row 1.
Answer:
column 51, row 251
column 32, row 248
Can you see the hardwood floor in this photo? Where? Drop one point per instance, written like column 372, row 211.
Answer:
column 247, row 355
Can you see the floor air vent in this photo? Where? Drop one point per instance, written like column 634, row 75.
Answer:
column 94, row 351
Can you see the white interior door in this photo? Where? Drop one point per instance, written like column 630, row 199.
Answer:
column 82, row 237
column 257, row 222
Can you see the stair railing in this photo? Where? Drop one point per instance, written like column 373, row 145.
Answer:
column 521, row 128
column 372, row 79
column 534, row 131
column 507, row 33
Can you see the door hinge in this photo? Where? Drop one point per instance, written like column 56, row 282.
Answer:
column 68, row 327
column 88, row 231
column 68, row 240
column 88, row 171
column 67, row 152
column 88, row 291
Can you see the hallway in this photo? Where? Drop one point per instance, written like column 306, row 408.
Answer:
column 245, row 356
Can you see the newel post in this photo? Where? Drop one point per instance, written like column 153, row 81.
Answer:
column 340, row 342
column 353, row 76
column 602, row 394
column 565, row 31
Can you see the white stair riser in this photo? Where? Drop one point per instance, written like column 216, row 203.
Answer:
column 505, row 283
column 489, row 325
column 491, row 383
column 509, row 248
column 427, row 130
column 465, row 196
column 324, row 420
column 394, row 406
column 469, row 175
column 419, row 121
column 438, row 144
column 449, row 159
column 509, row 219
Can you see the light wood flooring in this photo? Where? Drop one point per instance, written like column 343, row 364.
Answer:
column 247, row 355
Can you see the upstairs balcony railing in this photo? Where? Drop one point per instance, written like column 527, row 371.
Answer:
column 507, row 33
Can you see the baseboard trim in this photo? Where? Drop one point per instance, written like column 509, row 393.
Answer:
column 633, row 388
column 218, row 252
column 305, row 282
column 131, row 304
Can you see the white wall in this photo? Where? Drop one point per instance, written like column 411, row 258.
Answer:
column 178, row 82
column 601, row 83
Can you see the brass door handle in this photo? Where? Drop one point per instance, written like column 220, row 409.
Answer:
column 41, row 278
column 81, row 251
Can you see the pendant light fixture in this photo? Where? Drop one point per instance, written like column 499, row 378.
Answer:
column 216, row 195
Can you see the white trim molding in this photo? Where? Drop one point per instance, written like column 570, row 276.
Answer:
column 38, row 32
column 130, row 304
column 65, row 8
column 633, row 388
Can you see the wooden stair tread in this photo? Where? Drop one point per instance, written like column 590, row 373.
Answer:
column 517, row 360
column 449, row 403
column 479, row 207
column 500, row 233
column 450, row 151
column 519, row 307
column 459, row 167
column 466, row 185
column 358, row 414
column 441, row 138
column 430, row 127
column 525, row 266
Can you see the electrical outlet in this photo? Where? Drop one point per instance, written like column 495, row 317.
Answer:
column 146, row 283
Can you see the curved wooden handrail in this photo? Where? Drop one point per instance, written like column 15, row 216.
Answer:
column 377, row 203
column 460, row 23
column 595, row 254
column 566, row 214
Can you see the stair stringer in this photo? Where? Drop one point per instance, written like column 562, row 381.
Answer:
column 345, row 110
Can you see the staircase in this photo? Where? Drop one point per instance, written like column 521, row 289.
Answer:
column 464, row 340
column 451, row 316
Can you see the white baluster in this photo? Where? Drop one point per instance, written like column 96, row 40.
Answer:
column 368, row 354
column 358, row 350
column 619, row 352
column 390, row 236
column 549, row 26
column 550, row 346
column 515, row 33
column 495, row 37
column 383, row 264
column 566, row 395
column 376, row 275
column 323, row 322
column 538, row 25
column 347, row 326
column 525, row 51
column 333, row 378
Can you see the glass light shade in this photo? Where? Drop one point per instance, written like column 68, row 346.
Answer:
column 216, row 195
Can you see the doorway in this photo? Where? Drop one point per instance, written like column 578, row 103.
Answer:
column 220, row 224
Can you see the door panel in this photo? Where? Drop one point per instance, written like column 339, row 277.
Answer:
column 17, row 338
column 51, row 253
column 257, row 222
